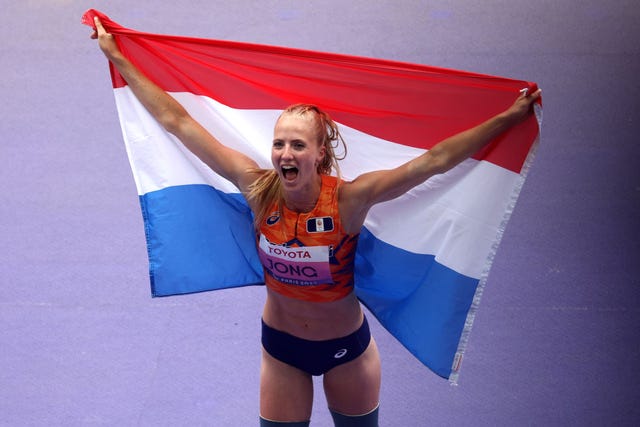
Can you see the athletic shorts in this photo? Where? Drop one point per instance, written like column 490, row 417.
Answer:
column 315, row 357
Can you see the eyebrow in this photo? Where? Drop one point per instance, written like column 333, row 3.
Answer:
column 292, row 141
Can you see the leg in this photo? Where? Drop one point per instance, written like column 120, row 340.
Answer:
column 354, row 387
column 286, row 393
column 268, row 423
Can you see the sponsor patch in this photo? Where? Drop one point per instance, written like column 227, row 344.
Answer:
column 273, row 218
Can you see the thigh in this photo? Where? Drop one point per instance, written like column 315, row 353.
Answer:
column 286, row 393
column 354, row 388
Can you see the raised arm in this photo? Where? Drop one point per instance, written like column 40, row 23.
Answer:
column 370, row 188
column 229, row 163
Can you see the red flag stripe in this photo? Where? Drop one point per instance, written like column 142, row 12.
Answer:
column 410, row 104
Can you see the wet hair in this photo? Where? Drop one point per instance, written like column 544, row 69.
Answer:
column 268, row 188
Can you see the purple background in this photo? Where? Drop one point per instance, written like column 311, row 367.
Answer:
column 556, row 339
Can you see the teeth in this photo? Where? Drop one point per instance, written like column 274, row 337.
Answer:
column 286, row 169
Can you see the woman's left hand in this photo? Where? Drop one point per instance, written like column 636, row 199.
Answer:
column 523, row 106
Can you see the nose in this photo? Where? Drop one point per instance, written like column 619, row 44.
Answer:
column 287, row 152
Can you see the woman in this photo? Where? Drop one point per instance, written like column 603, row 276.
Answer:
column 307, row 224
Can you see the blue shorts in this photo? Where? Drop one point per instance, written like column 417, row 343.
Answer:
column 315, row 357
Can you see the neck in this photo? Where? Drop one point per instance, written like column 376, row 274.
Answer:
column 303, row 200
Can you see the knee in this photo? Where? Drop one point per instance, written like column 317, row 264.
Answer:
column 369, row 419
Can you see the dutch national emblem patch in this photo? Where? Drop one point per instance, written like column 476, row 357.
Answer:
column 320, row 224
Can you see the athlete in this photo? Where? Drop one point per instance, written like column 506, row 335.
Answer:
column 307, row 224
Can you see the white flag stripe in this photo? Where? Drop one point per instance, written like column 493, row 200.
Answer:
column 456, row 220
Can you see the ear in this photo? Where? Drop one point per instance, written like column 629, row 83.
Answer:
column 321, row 153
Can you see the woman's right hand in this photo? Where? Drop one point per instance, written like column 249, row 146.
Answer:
column 106, row 41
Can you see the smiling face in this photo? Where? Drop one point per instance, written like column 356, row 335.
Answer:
column 296, row 152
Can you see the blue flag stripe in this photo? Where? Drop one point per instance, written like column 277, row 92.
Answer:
column 198, row 239
column 420, row 301
column 207, row 233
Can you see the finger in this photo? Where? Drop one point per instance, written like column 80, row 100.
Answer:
column 534, row 97
column 529, row 95
column 99, row 27
column 531, row 89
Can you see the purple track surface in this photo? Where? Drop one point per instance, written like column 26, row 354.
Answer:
column 556, row 340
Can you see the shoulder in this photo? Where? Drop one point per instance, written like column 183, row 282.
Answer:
column 352, row 206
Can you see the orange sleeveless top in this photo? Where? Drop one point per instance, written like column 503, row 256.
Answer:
column 307, row 255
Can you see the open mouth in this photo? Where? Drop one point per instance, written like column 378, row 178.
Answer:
column 289, row 172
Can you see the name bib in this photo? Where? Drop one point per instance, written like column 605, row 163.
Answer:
column 302, row 266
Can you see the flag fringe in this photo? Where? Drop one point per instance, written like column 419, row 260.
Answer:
column 471, row 315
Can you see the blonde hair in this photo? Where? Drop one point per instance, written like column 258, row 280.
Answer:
column 267, row 188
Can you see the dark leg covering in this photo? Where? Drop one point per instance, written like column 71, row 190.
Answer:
column 268, row 423
column 366, row 420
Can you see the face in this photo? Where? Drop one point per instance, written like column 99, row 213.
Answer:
column 296, row 151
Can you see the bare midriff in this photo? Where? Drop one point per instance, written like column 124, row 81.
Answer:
column 313, row 320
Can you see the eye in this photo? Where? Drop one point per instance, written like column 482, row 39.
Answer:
column 278, row 144
column 299, row 146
